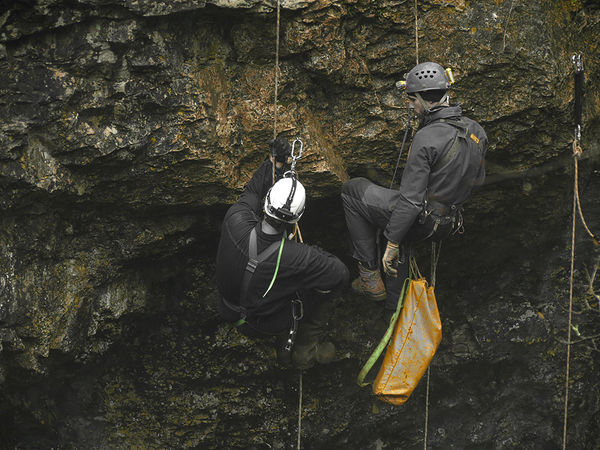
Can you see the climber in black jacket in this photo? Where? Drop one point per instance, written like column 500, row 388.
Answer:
column 445, row 162
column 291, row 272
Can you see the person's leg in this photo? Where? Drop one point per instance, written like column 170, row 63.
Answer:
column 311, row 341
column 367, row 208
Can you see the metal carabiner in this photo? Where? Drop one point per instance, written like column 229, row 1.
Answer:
column 296, row 156
column 577, row 62
column 297, row 315
column 299, row 155
column 298, row 302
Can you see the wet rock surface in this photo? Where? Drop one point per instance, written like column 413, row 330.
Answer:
column 126, row 128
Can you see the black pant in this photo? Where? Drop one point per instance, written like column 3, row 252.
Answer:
column 368, row 208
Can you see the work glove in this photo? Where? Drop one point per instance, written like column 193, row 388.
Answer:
column 281, row 149
column 390, row 257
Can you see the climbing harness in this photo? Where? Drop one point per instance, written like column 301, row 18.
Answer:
column 254, row 260
column 577, row 152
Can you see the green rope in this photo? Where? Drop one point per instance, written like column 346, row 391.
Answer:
column 276, row 267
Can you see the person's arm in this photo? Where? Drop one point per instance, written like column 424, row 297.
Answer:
column 257, row 187
column 323, row 272
column 413, row 189
column 262, row 180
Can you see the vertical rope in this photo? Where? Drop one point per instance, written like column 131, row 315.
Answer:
column 570, row 307
column 300, row 412
column 276, row 82
column 416, row 31
column 436, row 250
column 426, row 412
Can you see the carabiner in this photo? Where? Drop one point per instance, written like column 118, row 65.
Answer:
column 299, row 155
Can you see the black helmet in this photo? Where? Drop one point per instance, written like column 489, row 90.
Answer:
column 427, row 76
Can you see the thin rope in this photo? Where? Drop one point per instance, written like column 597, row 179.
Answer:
column 300, row 412
column 574, row 216
column 436, row 250
column 416, row 31
column 276, row 82
column 426, row 411
column 577, row 151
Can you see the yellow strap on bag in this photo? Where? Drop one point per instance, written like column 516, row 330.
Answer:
column 416, row 337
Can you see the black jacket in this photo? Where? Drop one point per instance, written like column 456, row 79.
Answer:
column 450, row 184
column 302, row 267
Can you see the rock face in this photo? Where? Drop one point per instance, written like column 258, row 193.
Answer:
column 127, row 127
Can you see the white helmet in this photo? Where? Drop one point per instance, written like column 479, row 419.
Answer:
column 285, row 200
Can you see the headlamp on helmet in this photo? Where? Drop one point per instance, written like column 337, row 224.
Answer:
column 286, row 200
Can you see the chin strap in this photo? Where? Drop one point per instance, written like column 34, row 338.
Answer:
column 428, row 109
column 422, row 102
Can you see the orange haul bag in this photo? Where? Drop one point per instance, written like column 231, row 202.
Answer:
column 414, row 334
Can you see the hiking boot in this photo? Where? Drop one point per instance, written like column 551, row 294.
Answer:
column 369, row 283
column 305, row 356
column 311, row 345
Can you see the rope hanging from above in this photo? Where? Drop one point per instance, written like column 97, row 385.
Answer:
column 417, row 31
column 577, row 152
column 276, row 83
column 297, row 233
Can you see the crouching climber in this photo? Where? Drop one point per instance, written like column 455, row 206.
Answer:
column 269, row 284
column 445, row 162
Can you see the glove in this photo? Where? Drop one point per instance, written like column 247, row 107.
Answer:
column 389, row 259
column 281, row 149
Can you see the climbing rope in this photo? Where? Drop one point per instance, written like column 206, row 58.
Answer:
column 570, row 315
column 300, row 412
column 577, row 152
column 426, row 411
column 276, row 83
column 436, row 249
column 297, row 233
column 417, row 31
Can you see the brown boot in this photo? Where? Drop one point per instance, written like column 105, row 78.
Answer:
column 369, row 283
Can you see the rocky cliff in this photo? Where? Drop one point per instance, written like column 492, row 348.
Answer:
column 128, row 127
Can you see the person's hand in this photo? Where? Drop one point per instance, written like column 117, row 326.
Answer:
column 278, row 165
column 281, row 149
column 389, row 259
